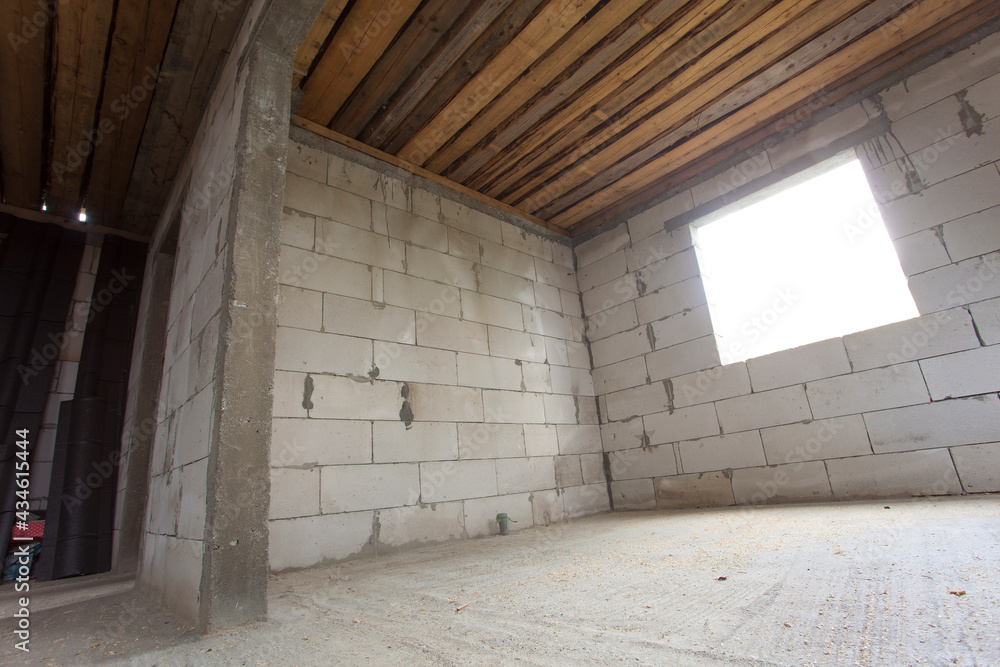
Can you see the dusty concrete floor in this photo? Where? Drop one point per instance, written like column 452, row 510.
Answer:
column 846, row 584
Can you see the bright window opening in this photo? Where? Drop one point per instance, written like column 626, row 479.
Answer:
column 809, row 263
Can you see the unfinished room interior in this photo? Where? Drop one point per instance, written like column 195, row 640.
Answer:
column 517, row 331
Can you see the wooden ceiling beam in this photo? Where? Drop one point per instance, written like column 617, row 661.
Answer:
column 639, row 30
column 556, row 18
column 362, row 37
column 891, row 37
column 22, row 78
column 141, row 33
column 523, row 156
column 716, row 97
column 887, row 64
column 612, row 20
column 198, row 44
column 490, row 41
column 466, row 32
column 417, row 40
column 315, row 39
column 722, row 67
column 82, row 36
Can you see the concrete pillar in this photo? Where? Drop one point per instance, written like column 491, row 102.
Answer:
column 235, row 560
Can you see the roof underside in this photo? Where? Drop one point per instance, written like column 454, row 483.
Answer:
column 569, row 111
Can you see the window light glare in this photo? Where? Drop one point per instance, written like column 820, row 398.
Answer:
column 809, row 263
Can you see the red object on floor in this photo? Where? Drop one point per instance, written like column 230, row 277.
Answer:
column 33, row 531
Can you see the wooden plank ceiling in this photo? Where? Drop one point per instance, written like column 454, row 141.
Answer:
column 101, row 98
column 571, row 111
column 566, row 111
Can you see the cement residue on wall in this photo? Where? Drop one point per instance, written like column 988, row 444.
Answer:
column 905, row 409
column 450, row 378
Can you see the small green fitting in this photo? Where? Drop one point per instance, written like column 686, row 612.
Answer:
column 502, row 519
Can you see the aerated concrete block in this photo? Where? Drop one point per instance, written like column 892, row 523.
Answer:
column 622, row 435
column 490, row 441
column 517, row 345
column 622, row 375
column 403, row 528
column 987, row 317
column 439, row 267
column 299, row 543
column 653, row 219
column 315, row 352
column 877, row 389
column 546, row 507
column 832, row 438
column 579, row 438
column 978, row 467
column 602, row 245
column 942, row 424
column 506, row 286
column 308, row 270
column 487, row 309
column 736, row 450
column 689, row 423
column 359, row 245
column 621, row 346
column 452, row 334
column 709, row 489
column 309, row 442
column 602, row 271
column 395, row 361
column 540, row 440
column 519, row 475
column 363, row 487
column 654, row 461
column 421, row 295
column 814, row 361
column 968, row 373
column 657, row 247
column 918, row 338
column 790, row 483
column 770, row 408
column 974, row 234
column 488, row 372
column 294, row 493
column 585, row 500
column 633, row 494
column 929, row 472
column 457, row 480
column 678, row 360
column 920, row 252
column 441, row 403
column 958, row 284
column 394, row 442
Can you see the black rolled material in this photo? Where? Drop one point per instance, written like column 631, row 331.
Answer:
column 38, row 266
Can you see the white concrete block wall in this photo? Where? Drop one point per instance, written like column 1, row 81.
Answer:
column 911, row 408
column 171, row 555
column 431, row 370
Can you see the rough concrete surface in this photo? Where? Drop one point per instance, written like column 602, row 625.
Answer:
column 867, row 583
